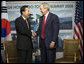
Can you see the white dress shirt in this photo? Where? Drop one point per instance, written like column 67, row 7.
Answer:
column 23, row 17
column 46, row 15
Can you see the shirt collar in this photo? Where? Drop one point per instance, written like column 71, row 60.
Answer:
column 23, row 17
column 46, row 14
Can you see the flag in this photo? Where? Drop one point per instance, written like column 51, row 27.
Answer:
column 5, row 24
column 5, row 27
column 78, row 25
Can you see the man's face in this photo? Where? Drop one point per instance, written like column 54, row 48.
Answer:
column 43, row 10
column 26, row 13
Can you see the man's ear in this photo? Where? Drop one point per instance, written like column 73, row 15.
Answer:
column 23, row 12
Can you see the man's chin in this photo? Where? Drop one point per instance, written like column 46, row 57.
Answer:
column 42, row 14
column 27, row 16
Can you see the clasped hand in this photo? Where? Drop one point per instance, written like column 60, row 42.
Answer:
column 33, row 33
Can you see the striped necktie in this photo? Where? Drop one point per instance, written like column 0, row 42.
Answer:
column 27, row 23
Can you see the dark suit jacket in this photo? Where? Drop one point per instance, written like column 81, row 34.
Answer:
column 24, row 34
column 51, row 30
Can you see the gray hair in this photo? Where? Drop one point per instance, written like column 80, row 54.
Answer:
column 46, row 5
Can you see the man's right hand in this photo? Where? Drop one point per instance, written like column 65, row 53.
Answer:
column 33, row 33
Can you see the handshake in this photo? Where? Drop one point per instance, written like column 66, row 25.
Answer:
column 33, row 33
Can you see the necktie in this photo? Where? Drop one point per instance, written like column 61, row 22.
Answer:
column 27, row 23
column 43, row 28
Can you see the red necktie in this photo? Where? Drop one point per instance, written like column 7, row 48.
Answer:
column 43, row 28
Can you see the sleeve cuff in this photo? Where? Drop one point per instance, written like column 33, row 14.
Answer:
column 52, row 41
column 32, row 31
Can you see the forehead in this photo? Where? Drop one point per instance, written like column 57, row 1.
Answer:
column 41, row 6
column 26, row 8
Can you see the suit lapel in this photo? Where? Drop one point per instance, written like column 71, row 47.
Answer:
column 29, row 23
column 47, row 20
column 25, row 22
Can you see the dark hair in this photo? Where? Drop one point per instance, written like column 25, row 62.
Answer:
column 23, row 8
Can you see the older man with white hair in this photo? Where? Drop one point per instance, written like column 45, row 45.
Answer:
column 48, row 34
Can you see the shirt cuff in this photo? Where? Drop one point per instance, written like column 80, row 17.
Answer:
column 52, row 41
column 32, row 31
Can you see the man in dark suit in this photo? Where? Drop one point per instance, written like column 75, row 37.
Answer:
column 48, row 34
column 24, row 41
